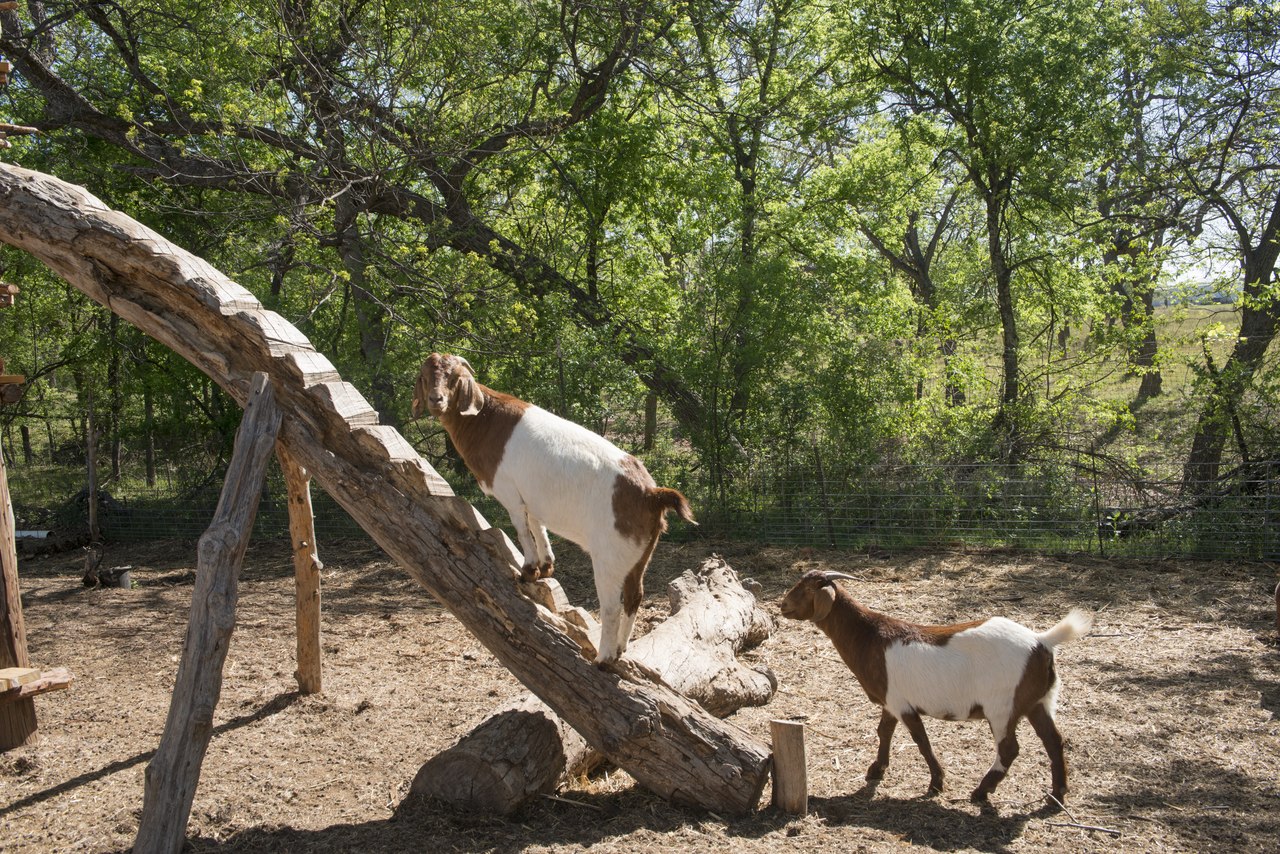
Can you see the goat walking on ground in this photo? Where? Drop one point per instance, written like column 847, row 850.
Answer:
column 552, row 474
column 994, row 669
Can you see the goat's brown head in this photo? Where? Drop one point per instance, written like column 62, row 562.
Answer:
column 812, row 596
column 446, row 383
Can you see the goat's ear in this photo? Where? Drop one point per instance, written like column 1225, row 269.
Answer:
column 420, row 393
column 468, row 398
column 823, row 599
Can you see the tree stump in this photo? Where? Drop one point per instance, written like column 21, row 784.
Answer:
column 522, row 749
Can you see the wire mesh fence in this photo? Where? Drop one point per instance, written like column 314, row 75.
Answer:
column 1052, row 507
column 1043, row 507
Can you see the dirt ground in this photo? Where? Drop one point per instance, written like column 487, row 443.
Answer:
column 1170, row 709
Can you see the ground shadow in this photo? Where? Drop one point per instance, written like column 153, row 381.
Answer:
column 931, row 822
column 277, row 704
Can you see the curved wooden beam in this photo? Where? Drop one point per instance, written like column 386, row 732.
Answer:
column 669, row 744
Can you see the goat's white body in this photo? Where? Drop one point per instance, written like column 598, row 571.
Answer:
column 980, row 666
column 559, row 476
column 562, row 475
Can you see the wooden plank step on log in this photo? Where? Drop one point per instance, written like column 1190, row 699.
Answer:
column 12, row 677
column 56, row 679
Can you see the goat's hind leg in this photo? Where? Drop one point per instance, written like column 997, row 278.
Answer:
column 610, row 617
column 916, row 727
column 888, row 723
column 1042, row 722
column 1006, row 751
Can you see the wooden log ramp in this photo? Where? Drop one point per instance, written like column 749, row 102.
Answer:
column 523, row 749
column 668, row 743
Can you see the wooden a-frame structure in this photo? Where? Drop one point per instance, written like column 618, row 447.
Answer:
column 668, row 743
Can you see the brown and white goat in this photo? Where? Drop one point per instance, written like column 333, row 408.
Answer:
column 994, row 669
column 550, row 473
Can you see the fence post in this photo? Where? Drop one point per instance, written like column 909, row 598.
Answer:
column 790, row 767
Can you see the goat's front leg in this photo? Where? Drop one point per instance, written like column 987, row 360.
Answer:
column 916, row 728
column 524, row 524
column 888, row 723
column 546, row 565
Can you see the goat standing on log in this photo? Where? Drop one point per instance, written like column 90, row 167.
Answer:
column 550, row 473
column 994, row 669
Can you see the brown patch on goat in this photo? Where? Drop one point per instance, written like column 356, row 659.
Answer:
column 480, row 441
column 861, row 647
column 634, row 514
column 640, row 513
column 1038, row 676
column 940, row 635
column 633, row 586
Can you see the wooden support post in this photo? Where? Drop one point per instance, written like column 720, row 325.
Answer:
column 306, row 571
column 17, row 719
column 174, row 771
column 790, row 767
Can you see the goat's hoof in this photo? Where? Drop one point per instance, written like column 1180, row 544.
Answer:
column 528, row 572
column 875, row 772
column 546, row 570
column 979, row 796
column 935, row 789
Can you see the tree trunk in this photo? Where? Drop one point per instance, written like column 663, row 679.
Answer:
column 522, row 749
column 668, row 743
column 1258, row 323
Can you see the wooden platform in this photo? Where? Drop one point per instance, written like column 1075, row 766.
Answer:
column 35, row 682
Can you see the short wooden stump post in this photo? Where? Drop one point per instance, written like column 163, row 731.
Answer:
column 790, row 767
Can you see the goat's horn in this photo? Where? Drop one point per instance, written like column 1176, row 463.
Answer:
column 832, row 576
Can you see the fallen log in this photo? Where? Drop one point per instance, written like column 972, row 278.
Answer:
column 522, row 749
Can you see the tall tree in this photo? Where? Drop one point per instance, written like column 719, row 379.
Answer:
column 1225, row 151
column 756, row 87
column 1020, row 87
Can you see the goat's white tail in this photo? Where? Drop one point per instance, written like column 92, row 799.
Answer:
column 1070, row 627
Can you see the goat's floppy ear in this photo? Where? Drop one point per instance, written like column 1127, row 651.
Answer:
column 823, row 599
column 468, row 398
column 420, row 392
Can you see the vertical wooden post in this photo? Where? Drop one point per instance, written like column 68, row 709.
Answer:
column 306, row 571
column 174, row 771
column 18, row 718
column 790, row 768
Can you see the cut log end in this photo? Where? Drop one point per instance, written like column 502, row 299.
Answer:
column 467, row 777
